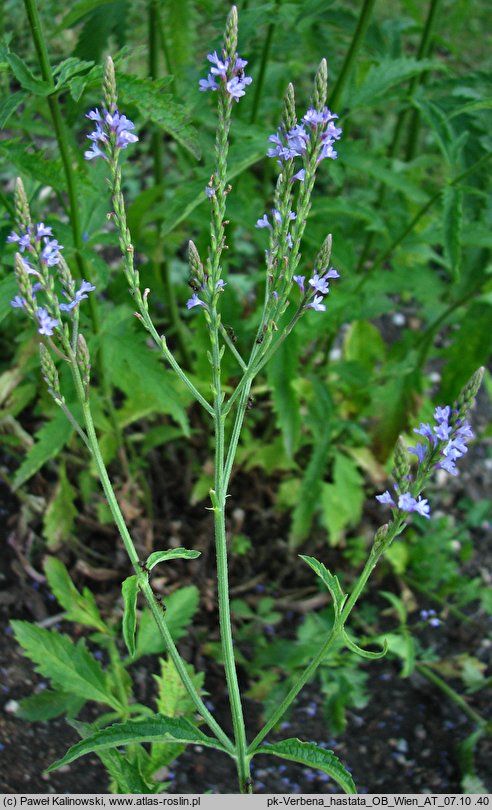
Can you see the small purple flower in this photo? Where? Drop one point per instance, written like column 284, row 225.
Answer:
column 442, row 414
column 385, row 498
column 236, row 86
column 81, row 293
column 46, row 322
column 210, row 192
column 208, row 84
column 420, row 450
column 50, row 255
column 407, row 503
column 319, row 284
column 94, row 115
column 299, row 280
column 18, row 302
column 42, row 230
column 300, row 175
column 317, row 304
column 23, row 240
column 277, row 216
column 425, row 430
column 94, row 152
column 194, row 301
column 221, row 66
column 263, row 222
column 288, row 239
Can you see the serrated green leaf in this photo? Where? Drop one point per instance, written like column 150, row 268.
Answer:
column 364, row 653
column 181, row 607
column 9, row 105
column 79, row 607
column 154, row 104
column 67, row 664
column 171, row 554
column 68, row 69
column 129, row 589
column 33, row 163
column 59, row 518
column 282, row 373
column 49, row 704
column 330, row 580
column 452, row 228
column 23, row 74
column 49, row 441
column 155, row 729
column 384, row 77
column 136, row 371
column 309, row 754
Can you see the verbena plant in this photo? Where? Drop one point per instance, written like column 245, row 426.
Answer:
column 50, row 297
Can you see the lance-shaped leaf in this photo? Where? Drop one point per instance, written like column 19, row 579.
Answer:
column 129, row 589
column 364, row 653
column 79, row 607
column 330, row 580
column 171, row 554
column 69, row 665
column 154, row 729
column 314, row 757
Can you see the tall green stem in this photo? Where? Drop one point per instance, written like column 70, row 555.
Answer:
column 357, row 39
column 61, row 137
column 134, row 559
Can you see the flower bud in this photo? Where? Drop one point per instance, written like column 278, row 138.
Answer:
column 323, row 258
column 84, row 361
column 289, row 118
column 320, row 86
column 109, row 86
column 22, row 213
column 230, row 34
column 468, row 394
column 49, row 372
column 401, row 470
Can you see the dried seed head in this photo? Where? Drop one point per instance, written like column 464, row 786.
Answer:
column 321, row 86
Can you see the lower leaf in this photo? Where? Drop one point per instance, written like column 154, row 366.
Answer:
column 314, row 757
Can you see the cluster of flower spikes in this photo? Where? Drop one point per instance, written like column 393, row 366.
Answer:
column 44, row 253
column 230, row 72
column 113, row 129
column 295, row 141
column 446, row 442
